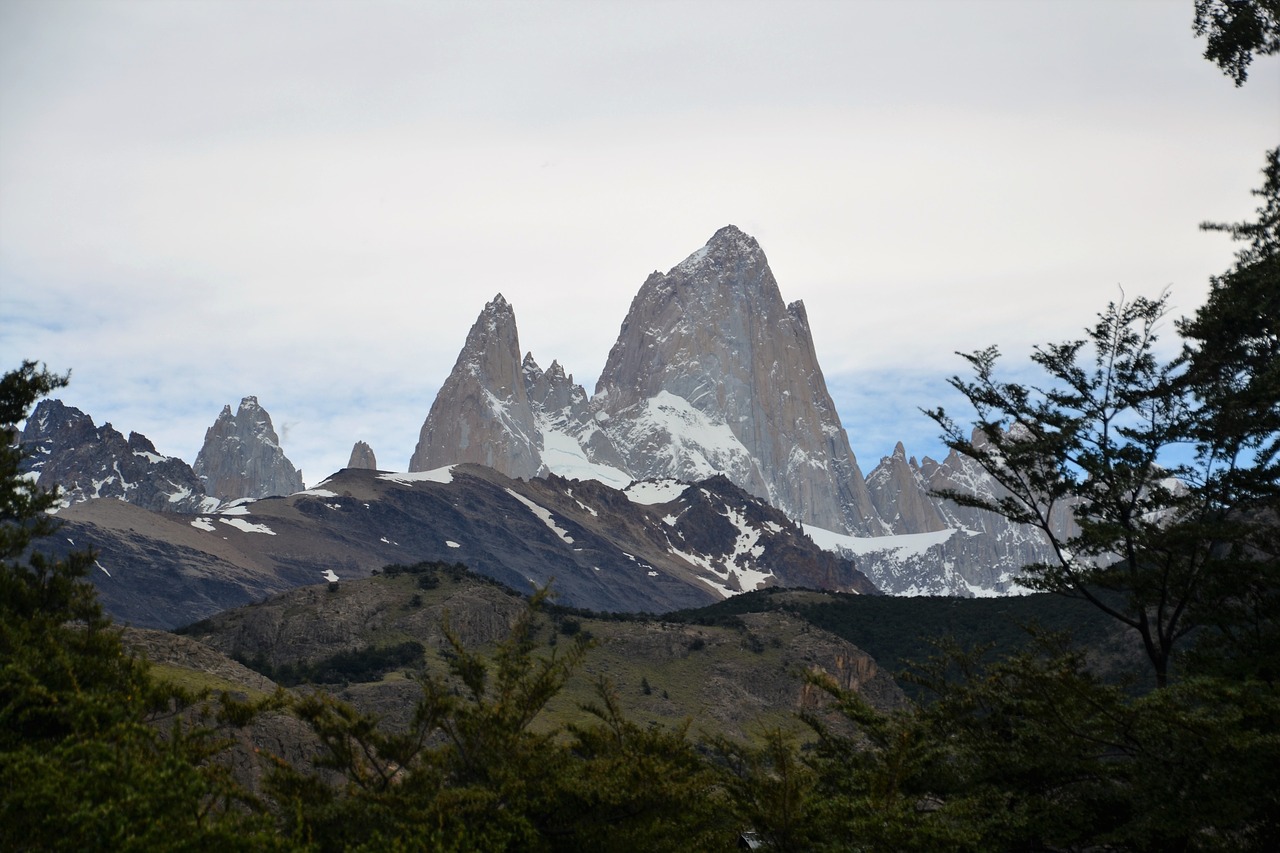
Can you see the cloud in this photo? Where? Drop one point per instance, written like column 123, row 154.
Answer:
column 312, row 202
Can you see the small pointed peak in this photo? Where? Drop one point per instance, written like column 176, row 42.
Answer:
column 555, row 370
column 899, row 451
column 797, row 311
column 362, row 457
column 729, row 242
column 250, row 402
column 140, row 443
column 226, row 411
column 530, row 363
column 729, row 232
column 734, row 239
column 496, row 322
column 498, row 309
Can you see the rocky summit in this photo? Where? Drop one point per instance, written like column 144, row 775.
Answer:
column 482, row 413
column 83, row 461
column 712, row 371
column 242, row 457
column 714, row 374
column 362, row 457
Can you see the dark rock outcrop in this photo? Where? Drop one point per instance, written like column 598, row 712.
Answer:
column 84, row 461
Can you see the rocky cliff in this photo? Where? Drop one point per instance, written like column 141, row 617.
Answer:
column 362, row 457
column 242, row 458
column 86, row 461
column 713, row 372
column 482, row 412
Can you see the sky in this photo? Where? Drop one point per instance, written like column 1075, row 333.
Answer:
column 311, row 202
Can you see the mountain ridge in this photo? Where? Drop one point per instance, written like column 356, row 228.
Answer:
column 713, row 373
column 659, row 546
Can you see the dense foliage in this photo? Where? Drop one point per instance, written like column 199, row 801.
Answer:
column 1236, row 30
column 95, row 754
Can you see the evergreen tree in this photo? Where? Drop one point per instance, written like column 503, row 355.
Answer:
column 472, row 772
column 94, row 753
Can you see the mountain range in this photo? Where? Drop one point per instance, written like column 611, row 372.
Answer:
column 712, row 398
column 714, row 373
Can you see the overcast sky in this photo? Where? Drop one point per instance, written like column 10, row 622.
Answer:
column 311, row 202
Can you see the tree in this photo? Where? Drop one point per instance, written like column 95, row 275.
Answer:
column 1092, row 440
column 1163, row 548
column 1232, row 357
column 1033, row 752
column 94, row 753
column 472, row 772
column 1235, row 30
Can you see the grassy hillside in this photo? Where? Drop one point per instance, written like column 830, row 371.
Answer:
column 365, row 640
column 898, row 632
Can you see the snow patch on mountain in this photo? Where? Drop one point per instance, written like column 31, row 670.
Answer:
column 436, row 475
column 903, row 545
column 248, row 526
column 650, row 492
column 545, row 514
column 563, row 456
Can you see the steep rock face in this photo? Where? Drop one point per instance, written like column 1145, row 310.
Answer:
column 85, row 461
column 985, row 553
column 242, row 457
column 713, row 372
column 362, row 457
column 482, row 412
column 568, row 432
column 900, row 495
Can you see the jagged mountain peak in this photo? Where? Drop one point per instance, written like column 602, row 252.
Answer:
column 482, row 413
column 362, row 457
column 242, row 458
column 728, row 247
column 497, row 313
column 85, row 462
column 715, row 336
column 712, row 372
